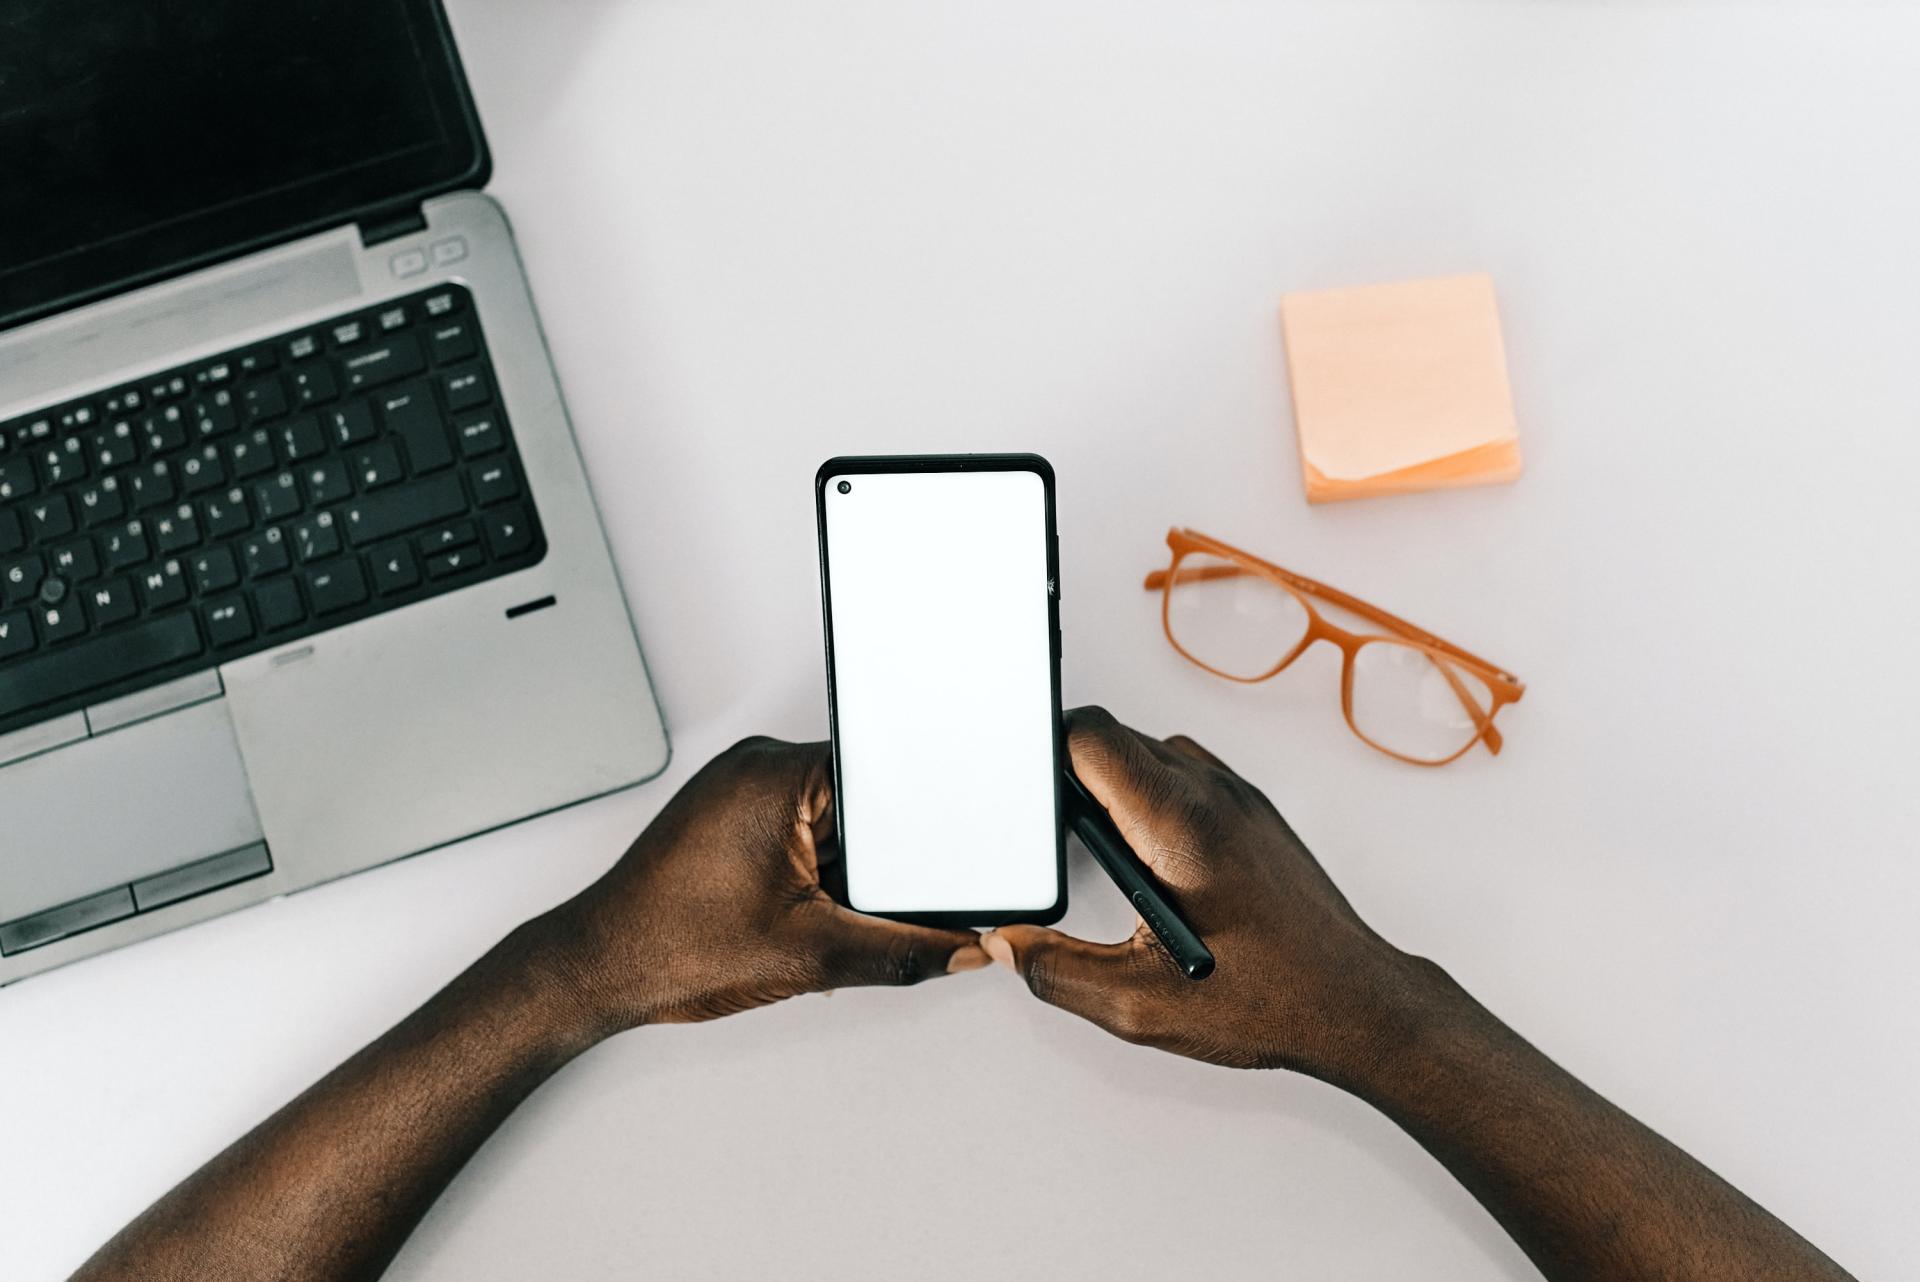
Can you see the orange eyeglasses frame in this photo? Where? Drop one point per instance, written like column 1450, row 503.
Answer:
column 1504, row 686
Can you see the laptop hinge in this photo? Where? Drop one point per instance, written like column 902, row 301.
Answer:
column 389, row 224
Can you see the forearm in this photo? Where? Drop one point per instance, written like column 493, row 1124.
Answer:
column 1584, row 1189
column 330, row 1186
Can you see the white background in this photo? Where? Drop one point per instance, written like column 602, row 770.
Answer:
column 763, row 233
column 943, row 686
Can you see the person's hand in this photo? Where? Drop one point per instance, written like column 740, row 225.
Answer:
column 717, row 907
column 1301, row 981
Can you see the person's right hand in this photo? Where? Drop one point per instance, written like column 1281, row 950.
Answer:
column 1301, row 981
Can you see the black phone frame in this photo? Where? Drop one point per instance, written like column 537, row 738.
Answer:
column 879, row 464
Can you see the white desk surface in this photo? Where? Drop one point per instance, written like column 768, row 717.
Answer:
column 763, row 233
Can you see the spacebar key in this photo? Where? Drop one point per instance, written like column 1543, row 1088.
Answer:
column 380, row 515
column 114, row 657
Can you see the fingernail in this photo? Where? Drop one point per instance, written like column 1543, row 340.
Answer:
column 998, row 949
column 968, row 958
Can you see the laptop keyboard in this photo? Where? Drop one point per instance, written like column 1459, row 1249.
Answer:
column 244, row 501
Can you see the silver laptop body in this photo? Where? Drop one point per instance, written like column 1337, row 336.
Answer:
column 357, row 744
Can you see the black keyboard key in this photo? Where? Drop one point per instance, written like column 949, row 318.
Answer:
column 441, row 538
column 125, row 401
column 277, row 497
column 317, row 538
column 112, row 602
column 163, row 586
column 49, row 518
column 377, row 465
column 265, row 553
column 62, row 622
column 381, row 516
column 112, row 447
column 16, row 477
column 478, row 435
column 13, row 536
column 90, row 665
column 493, row 482
column 16, row 633
column 251, row 454
column 395, row 357
column 176, row 531
column 327, row 482
column 451, row 341
column 75, row 417
column 226, row 514
column 410, row 413
column 163, row 389
column 151, row 486
column 312, row 383
column 394, row 569
column 465, row 388
column 20, row 579
column 203, row 471
column 336, row 586
column 75, row 561
column 303, row 347
column 445, row 564
column 165, row 429
column 228, row 622
column 100, row 503
column 126, row 545
column 63, row 464
column 444, row 303
column 279, row 604
column 300, row 439
column 346, row 333
column 213, row 375
column 509, row 533
column 392, row 318
column 214, row 571
column 351, row 423
column 257, row 361
column 264, row 398
column 215, row 415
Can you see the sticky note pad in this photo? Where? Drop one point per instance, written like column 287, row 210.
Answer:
column 1400, row 387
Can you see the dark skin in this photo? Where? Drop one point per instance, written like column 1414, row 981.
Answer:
column 717, row 908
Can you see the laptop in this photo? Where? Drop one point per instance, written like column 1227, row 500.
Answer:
column 299, row 568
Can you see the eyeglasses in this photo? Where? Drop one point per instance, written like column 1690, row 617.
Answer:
column 1403, row 690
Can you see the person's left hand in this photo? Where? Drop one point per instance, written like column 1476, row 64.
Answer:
column 717, row 907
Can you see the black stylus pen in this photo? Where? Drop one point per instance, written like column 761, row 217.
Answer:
column 1089, row 819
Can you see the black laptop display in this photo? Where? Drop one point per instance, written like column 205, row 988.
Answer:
column 142, row 139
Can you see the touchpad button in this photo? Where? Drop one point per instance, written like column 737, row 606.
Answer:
column 122, row 806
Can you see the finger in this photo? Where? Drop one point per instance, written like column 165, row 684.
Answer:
column 1111, row 759
column 1098, row 982
column 1130, row 775
column 1185, row 746
column 856, row 950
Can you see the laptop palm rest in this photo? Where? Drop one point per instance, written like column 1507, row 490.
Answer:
column 179, row 791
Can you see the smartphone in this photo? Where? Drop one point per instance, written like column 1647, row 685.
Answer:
column 939, row 583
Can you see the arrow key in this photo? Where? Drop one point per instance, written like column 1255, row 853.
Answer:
column 509, row 532
column 394, row 569
column 445, row 564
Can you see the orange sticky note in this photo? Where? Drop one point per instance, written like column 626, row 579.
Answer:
column 1400, row 387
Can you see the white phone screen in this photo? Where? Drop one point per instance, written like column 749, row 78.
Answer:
column 939, row 616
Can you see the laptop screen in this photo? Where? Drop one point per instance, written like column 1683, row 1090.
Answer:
column 138, row 139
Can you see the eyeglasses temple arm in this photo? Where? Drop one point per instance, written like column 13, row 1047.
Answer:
column 1157, row 580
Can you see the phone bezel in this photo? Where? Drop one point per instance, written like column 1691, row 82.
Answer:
column 875, row 464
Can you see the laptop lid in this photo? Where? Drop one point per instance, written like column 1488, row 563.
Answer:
column 142, row 140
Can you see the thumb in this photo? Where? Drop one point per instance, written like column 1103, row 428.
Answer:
column 1097, row 982
column 856, row 950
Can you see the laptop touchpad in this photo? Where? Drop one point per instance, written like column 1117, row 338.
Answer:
column 178, row 793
